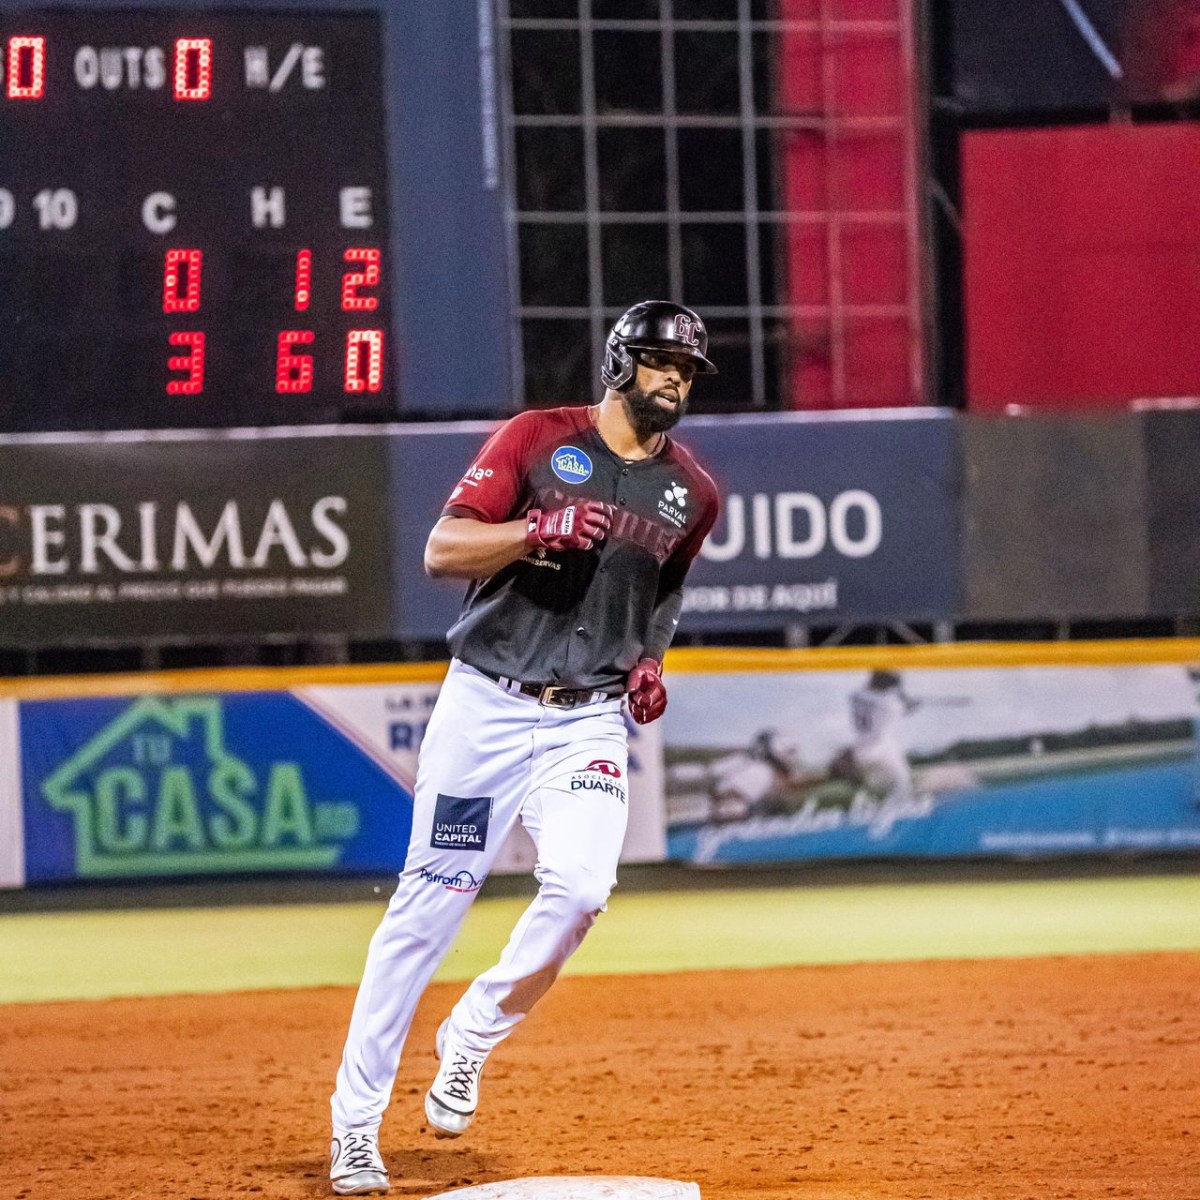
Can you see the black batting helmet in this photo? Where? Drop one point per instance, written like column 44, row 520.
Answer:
column 653, row 325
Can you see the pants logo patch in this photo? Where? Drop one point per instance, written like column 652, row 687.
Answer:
column 461, row 822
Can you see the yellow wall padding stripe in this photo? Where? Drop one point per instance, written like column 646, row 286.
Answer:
column 226, row 679
column 1121, row 652
column 1124, row 652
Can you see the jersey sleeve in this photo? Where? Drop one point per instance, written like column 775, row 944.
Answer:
column 494, row 483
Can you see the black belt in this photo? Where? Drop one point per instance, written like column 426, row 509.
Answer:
column 553, row 695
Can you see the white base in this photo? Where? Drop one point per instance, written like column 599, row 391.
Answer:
column 578, row 1187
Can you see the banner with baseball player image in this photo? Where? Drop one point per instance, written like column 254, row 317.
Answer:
column 996, row 761
column 313, row 779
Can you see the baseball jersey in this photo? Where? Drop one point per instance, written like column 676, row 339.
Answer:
column 579, row 617
column 877, row 716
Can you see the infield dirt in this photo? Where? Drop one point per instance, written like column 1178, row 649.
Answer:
column 1021, row 1079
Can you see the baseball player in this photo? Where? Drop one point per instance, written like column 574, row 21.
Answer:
column 575, row 528
column 877, row 712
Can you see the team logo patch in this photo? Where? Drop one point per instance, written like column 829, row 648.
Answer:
column 461, row 822
column 460, row 881
column 570, row 464
column 600, row 775
column 605, row 767
column 673, row 503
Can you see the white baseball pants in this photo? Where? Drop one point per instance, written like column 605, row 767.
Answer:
column 489, row 758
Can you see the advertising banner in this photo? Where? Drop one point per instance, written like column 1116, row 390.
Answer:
column 316, row 779
column 824, row 518
column 424, row 464
column 1172, row 449
column 827, row 519
column 196, row 784
column 1019, row 761
column 12, row 837
column 129, row 539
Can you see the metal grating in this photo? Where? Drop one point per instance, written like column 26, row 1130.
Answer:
column 648, row 150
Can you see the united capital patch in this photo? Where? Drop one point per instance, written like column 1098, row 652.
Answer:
column 461, row 822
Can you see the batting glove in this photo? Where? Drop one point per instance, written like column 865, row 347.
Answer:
column 575, row 527
column 647, row 692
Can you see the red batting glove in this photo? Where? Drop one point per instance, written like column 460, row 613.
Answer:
column 647, row 692
column 576, row 527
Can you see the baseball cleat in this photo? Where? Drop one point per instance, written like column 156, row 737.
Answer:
column 451, row 1101
column 355, row 1164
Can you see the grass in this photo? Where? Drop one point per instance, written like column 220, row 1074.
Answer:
column 61, row 956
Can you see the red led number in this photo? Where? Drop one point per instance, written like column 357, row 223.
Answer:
column 26, row 68
column 182, row 272
column 193, row 68
column 192, row 363
column 303, row 279
column 368, row 277
column 364, row 372
column 293, row 372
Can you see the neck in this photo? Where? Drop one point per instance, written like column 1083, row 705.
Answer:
column 613, row 425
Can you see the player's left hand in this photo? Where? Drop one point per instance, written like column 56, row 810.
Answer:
column 647, row 692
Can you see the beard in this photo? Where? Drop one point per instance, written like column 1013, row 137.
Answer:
column 647, row 416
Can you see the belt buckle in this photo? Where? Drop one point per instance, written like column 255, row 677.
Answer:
column 555, row 696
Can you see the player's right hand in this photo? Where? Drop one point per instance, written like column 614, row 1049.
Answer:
column 575, row 527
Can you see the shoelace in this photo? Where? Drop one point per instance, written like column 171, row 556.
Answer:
column 359, row 1153
column 462, row 1076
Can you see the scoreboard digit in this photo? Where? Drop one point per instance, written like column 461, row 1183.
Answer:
column 193, row 220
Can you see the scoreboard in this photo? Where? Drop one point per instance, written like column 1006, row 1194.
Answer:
column 194, row 219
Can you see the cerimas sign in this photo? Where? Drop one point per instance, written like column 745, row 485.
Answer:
column 826, row 520
column 116, row 540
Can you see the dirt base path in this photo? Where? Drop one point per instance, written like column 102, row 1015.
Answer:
column 1072, row 1078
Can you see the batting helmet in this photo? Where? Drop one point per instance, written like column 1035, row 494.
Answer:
column 653, row 325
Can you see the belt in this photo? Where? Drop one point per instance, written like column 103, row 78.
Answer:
column 553, row 695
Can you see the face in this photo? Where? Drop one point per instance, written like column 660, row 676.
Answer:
column 659, row 394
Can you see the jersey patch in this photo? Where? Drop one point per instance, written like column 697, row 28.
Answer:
column 671, row 506
column 461, row 822
column 460, row 881
column 593, row 781
column 605, row 766
column 570, row 464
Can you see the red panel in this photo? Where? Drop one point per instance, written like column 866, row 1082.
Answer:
column 808, row 281
column 839, row 10
column 846, row 70
column 873, row 264
column 869, row 170
column 870, row 82
column 1082, row 265
column 877, row 363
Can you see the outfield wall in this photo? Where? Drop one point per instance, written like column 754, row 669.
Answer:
column 763, row 757
column 826, row 519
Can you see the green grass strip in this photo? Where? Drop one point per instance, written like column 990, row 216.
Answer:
column 56, row 956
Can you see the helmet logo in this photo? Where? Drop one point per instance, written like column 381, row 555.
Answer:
column 685, row 330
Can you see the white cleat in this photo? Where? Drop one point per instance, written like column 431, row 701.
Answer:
column 451, row 1101
column 355, row 1164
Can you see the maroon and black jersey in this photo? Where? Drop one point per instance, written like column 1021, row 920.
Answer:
column 579, row 617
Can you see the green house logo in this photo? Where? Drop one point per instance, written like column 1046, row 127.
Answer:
column 157, row 792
